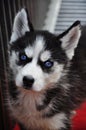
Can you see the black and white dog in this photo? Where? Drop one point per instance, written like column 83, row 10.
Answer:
column 47, row 75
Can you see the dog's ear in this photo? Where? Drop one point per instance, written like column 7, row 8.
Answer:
column 21, row 25
column 70, row 39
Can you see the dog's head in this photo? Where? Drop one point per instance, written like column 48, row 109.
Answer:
column 38, row 58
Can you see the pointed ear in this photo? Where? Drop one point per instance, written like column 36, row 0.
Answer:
column 70, row 39
column 21, row 25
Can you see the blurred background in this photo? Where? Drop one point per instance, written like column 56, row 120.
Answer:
column 52, row 15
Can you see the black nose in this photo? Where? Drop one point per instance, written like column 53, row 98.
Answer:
column 28, row 82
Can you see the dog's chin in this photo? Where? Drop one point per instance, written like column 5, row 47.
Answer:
column 30, row 92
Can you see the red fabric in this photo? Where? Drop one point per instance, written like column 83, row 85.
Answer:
column 16, row 127
column 79, row 121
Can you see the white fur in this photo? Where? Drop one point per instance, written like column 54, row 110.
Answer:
column 70, row 41
column 56, row 74
column 20, row 25
column 12, row 60
column 38, row 46
column 31, row 69
column 29, row 51
column 59, row 118
column 45, row 55
column 42, row 80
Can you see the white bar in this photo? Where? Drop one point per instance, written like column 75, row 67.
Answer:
column 52, row 15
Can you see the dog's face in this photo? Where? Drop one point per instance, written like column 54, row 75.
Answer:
column 38, row 58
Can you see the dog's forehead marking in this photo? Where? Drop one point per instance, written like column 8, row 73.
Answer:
column 34, row 50
column 38, row 45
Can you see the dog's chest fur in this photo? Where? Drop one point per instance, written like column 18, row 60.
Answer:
column 24, row 109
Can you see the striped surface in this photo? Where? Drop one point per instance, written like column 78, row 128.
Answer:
column 8, row 9
column 70, row 11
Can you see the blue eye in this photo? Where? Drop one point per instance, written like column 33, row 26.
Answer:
column 23, row 57
column 48, row 64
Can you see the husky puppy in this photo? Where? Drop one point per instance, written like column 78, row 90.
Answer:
column 47, row 75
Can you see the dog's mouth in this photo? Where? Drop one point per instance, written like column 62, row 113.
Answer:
column 34, row 86
column 28, row 87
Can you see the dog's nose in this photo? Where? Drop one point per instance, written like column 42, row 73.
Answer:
column 28, row 82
